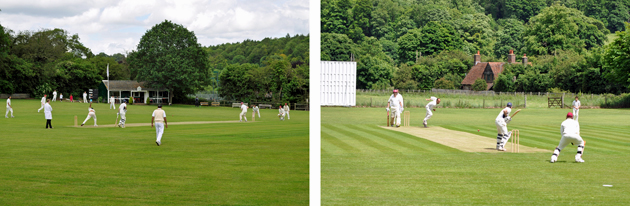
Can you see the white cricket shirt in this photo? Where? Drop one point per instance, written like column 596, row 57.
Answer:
column 432, row 104
column 159, row 115
column 244, row 108
column 570, row 127
column 501, row 113
column 396, row 101
column 577, row 103
column 8, row 103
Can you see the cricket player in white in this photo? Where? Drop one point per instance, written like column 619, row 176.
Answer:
column 122, row 110
column 159, row 116
column 61, row 97
column 243, row 112
column 84, row 97
column 430, row 106
column 395, row 102
column 281, row 113
column 576, row 108
column 112, row 102
column 54, row 99
column 43, row 103
column 91, row 114
column 501, row 121
column 287, row 110
column 255, row 110
column 48, row 114
column 9, row 108
column 570, row 130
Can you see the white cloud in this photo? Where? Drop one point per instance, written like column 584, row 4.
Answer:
column 117, row 26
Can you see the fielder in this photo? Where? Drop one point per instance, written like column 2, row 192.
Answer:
column 122, row 110
column 243, row 112
column 501, row 121
column 159, row 116
column 84, row 97
column 570, row 130
column 286, row 110
column 255, row 110
column 48, row 114
column 112, row 102
column 9, row 108
column 43, row 103
column 395, row 102
column 434, row 101
column 91, row 114
column 61, row 97
column 54, row 99
column 576, row 108
column 281, row 113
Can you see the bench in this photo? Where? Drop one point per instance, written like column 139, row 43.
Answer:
column 203, row 103
column 262, row 106
column 216, row 104
column 238, row 104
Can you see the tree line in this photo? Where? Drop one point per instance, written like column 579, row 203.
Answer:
column 168, row 56
column 426, row 44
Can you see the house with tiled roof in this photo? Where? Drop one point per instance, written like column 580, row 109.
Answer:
column 488, row 71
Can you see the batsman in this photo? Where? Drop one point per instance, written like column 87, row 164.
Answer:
column 501, row 121
column 395, row 102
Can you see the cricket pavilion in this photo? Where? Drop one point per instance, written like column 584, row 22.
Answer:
column 126, row 89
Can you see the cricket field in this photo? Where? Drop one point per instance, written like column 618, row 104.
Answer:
column 264, row 162
column 366, row 164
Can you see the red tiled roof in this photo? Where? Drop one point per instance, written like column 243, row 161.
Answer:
column 476, row 72
column 497, row 68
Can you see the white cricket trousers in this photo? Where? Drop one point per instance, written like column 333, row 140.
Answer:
column 123, row 119
column 243, row 115
column 90, row 115
column 566, row 139
column 396, row 114
column 41, row 108
column 429, row 115
column 54, row 98
column 7, row 113
column 288, row 114
column 575, row 114
column 159, row 130
column 111, row 104
column 85, row 100
column 502, row 132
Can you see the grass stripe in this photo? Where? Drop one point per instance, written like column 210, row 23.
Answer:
column 596, row 143
column 386, row 140
column 345, row 142
column 335, row 146
column 363, row 139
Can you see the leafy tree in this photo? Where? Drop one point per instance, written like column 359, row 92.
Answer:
column 523, row 9
column 443, row 83
column 509, row 38
column 234, row 79
column 479, row 85
column 433, row 38
column 48, row 45
column 561, row 28
column 404, row 78
column 503, row 83
column 617, row 59
column 374, row 67
column 336, row 47
column 168, row 56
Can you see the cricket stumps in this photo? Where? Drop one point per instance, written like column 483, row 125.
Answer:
column 407, row 118
column 515, row 140
column 75, row 120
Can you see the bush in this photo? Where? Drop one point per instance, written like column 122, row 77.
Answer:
column 130, row 100
column 480, row 85
column 443, row 83
column 620, row 101
column 100, row 99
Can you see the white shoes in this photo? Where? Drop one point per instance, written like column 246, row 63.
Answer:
column 425, row 124
column 158, row 143
column 578, row 158
column 500, row 148
column 553, row 159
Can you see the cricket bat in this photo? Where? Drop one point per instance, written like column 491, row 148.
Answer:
column 515, row 113
column 116, row 123
column 388, row 118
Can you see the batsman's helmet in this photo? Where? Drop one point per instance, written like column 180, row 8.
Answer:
column 509, row 104
column 395, row 91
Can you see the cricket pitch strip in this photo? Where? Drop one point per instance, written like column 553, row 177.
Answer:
column 170, row 123
column 463, row 141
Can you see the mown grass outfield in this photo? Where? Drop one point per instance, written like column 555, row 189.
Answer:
column 256, row 163
column 363, row 164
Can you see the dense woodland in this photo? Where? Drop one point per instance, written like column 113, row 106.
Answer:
column 573, row 45
column 38, row 62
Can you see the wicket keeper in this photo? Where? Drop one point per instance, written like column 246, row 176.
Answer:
column 570, row 131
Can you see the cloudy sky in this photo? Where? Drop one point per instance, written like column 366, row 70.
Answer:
column 117, row 26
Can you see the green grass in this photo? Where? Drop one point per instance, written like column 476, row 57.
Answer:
column 363, row 164
column 379, row 99
column 260, row 163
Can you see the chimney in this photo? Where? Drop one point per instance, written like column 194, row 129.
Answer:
column 511, row 57
column 524, row 59
column 477, row 58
